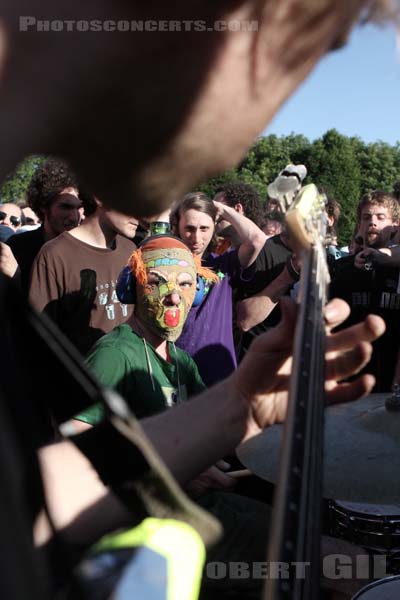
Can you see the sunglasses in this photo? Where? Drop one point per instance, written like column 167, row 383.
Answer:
column 15, row 221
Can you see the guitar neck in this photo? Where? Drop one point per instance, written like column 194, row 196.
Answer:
column 295, row 534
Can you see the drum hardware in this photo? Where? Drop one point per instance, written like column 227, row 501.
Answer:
column 384, row 589
column 393, row 402
column 361, row 464
column 373, row 527
column 362, row 452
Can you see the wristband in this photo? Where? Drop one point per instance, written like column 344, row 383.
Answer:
column 294, row 274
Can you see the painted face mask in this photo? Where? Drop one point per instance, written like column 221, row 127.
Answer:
column 165, row 297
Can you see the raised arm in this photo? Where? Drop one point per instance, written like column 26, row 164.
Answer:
column 255, row 309
column 195, row 434
column 250, row 236
column 255, row 396
column 380, row 257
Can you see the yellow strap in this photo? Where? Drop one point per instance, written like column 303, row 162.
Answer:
column 177, row 541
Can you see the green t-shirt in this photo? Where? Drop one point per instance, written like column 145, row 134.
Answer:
column 121, row 360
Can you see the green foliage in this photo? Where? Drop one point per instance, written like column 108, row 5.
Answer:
column 334, row 167
column 346, row 167
column 14, row 187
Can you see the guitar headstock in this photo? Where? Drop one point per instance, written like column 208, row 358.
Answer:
column 306, row 218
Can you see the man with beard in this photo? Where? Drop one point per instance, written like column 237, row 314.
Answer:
column 372, row 286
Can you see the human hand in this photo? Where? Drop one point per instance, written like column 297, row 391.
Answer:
column 211, row 479
column 222, row 210
column 8, row 264
column 293, row 267
column 373, row 256
column 262, row 378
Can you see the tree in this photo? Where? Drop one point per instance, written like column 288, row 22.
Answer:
column 264, row 160
column 379, row 166
column 14, row 187
column 333, row 165
column 346, row 167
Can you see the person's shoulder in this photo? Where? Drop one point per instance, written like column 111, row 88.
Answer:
column 345, row 262
column 271, row 244
column 343, row 268
column 185, row 360
column 183, row 355
column 56, row 245
column 26, row 238
column 118, row 338
column 5, row 232
column 274, row 250
column 124, row 243
column 120, row 332
column 276, row 241
column 223, row 262
column 189, row 369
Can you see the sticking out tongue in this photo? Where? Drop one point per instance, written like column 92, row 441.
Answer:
column 171, row 317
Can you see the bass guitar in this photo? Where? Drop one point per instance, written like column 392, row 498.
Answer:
column 296, row 527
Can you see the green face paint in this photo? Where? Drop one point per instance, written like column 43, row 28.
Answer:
column 164, row 301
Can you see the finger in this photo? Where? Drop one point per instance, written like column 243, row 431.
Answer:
column 221, row 480
column 288, row 317
column 345, row 364
column 278, row 338
column 349, row 391
column 368, row 330
column 335, row 312
column 359, row 261
column 223, row 465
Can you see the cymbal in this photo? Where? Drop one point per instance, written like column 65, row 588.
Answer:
column 361, row 454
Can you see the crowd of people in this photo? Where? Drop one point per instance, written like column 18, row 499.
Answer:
column 68, row 267
column 192, row 327
column 162, row 319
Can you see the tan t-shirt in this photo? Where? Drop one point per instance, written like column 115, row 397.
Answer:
column 74, row 283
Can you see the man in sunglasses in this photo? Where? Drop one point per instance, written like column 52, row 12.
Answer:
column 10, row 215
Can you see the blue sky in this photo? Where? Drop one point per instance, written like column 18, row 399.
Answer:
column 355, row 90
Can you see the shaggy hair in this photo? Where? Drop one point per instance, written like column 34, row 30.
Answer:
column 247, row 196
column 380, row 198
column 49, row 180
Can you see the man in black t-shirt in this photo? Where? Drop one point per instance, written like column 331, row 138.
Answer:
column 276, row 272
column 370, row 287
